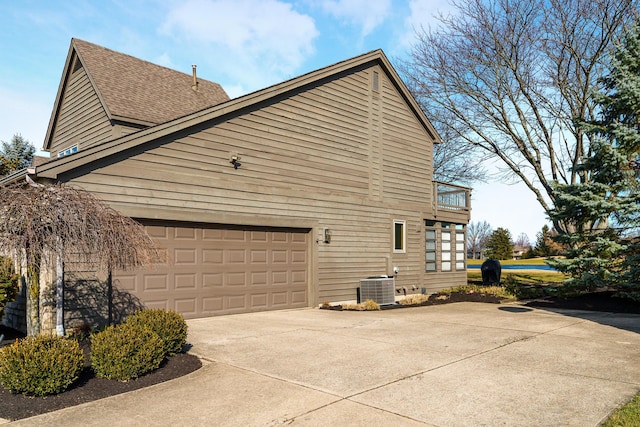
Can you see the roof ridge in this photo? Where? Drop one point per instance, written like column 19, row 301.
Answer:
column 138, row 91
column 135, row 58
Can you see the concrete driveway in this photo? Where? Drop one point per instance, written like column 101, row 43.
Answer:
column 465, row 364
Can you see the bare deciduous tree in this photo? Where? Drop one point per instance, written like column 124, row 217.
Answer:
column 478, row 234
column 40, row 222
column 512, row 79
column 522, row 241
column 456, row 163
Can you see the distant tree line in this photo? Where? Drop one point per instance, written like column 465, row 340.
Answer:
column 483, row 242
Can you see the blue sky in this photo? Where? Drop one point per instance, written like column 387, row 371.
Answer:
column 244, row 45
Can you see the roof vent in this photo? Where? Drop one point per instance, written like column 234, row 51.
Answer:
column 194, row 84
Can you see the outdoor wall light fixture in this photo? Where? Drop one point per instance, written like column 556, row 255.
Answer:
column 235, row 161
column 326, row 235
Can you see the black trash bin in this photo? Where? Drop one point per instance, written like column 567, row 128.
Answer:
column 491, row 270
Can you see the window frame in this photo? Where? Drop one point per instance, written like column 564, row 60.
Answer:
column 446, row 249
column 72, row 149
column 431, row 239
column 460, row 240
column 403, row 241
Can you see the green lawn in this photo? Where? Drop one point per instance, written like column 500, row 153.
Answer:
column 628, row 415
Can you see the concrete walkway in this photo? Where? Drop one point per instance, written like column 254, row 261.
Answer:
column 465, row 364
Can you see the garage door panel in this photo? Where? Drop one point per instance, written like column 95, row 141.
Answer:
column 279, row 237
column 212, row 234
column 234, row 256
column 233, row 235
column 299, row 237
column 214, row 270
column 279, row 299
column 279, row 256
column 186, row 306
column 258, row 236
column 185, row 233
column 237, row 302
column 159, row 232
column 258, row 256
column 159, row 304
column 259, row 300
column 127, row 283
column 298, row 277
column 299, row 256
column 298, row 297
column 155, row 282
column 259, row 279
column 210, row 280
column 185, row 256
column 212, row 256
column 185, row 281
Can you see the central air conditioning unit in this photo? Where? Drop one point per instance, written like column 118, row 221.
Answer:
column 380, row 289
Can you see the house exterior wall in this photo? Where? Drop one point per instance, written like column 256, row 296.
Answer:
column 338, row 155
column 82, row 118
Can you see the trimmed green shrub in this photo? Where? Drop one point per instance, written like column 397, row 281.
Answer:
column 40, row 365
column 125, row 351
column 168, row 324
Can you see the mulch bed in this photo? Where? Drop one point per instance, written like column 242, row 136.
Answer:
column 596, row 301
column 88, row 387
column 436, row 299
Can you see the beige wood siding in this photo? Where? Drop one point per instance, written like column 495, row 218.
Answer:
column 336, row 155
column 82, row 118
column 407, row 160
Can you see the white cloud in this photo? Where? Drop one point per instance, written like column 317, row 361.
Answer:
column 364, row 13
column 254, row 42
column 424, row 14
column 164, row 60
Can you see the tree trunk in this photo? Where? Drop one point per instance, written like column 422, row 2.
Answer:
column 32, row 282
column 59, row 295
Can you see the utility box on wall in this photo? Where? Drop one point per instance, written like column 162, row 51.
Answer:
column 379, row 289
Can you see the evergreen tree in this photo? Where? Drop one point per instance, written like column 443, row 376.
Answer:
column 499, row 245
column 546, row 246
column 16, row 154
column 602, row 214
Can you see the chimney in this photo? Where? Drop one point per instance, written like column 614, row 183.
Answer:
column 194, row 85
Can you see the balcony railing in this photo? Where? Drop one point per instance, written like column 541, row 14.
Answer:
column 451, row 197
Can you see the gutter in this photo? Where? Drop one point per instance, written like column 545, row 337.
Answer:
column 16, row 176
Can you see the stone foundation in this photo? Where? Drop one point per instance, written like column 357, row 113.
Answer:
column 15, row 313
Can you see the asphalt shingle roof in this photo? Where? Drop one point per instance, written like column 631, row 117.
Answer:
column 140, row 91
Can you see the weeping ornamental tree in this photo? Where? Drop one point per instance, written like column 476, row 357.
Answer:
column 48, row 225
column 605, row 212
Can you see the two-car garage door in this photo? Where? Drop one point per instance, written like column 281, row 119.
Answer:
column 213, row 270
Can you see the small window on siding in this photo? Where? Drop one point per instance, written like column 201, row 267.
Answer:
column 376, row 81
column 69, row 150
column 399, row 236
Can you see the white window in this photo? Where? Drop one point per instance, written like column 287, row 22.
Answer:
column 445, row 236
column 68, row 150
column 399, row 236
column 460, row 252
